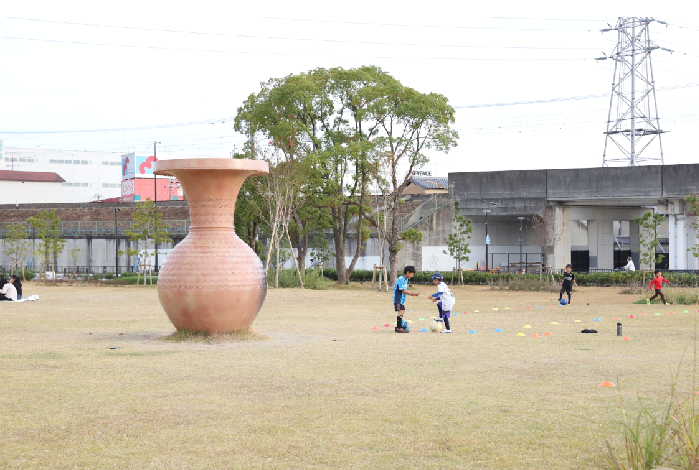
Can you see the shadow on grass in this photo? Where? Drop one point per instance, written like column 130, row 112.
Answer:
column 208, row 337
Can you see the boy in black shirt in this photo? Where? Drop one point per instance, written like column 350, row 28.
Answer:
column 568, row 283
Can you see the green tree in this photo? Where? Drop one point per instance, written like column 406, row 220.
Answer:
column 146, row 230
column 408, row 124
column 457, row 244
column 693, row 211
column 46, row 226
column 341, row 122
column 648, row 226
column 247, row 216
column 16, row 245
column 317, row 117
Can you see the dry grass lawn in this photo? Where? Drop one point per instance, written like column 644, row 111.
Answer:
column 325, row 390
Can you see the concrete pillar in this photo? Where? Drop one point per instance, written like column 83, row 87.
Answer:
column 677, row 236
column 605, row 239
column 592, row 242
column 634, row 243
column 561, row 251
column 692, row 240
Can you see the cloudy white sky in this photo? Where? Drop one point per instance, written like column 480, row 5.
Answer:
column 120, row 76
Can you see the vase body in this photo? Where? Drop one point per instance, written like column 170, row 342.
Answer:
column 212, row 280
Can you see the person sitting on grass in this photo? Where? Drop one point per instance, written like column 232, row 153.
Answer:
column 446, row 300
column 14, row 279
column 400, row 290
column 7, row 290
column 657, row 283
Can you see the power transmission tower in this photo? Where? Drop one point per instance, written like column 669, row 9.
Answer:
column 633, row 122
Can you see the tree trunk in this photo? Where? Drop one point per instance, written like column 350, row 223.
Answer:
column 339, row 239
column 253, row 235
column 276, row 273
column 393, row 259
column 359, row 236
column 286, row 229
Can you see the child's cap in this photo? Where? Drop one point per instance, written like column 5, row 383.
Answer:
column 437, row 276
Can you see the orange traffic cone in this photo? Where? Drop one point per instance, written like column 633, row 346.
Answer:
column 607, row 383
column 626, row 338
column 535, row 335
column 548, row 334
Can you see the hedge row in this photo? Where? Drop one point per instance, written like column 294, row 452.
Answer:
column 583, row 279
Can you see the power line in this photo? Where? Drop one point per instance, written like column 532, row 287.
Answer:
column 361, row 23
column 290, row 54
column 280, row 38
column 570, row 98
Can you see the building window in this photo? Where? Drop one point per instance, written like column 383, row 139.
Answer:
column 110, row 185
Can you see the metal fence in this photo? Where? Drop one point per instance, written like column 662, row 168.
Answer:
column 101, row 228
column 67, row 270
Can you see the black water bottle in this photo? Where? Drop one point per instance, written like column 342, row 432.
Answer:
column 618, row 329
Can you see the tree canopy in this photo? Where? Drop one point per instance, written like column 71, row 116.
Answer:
column 350, row 128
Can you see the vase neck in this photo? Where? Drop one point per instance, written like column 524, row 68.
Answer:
column 211, row 195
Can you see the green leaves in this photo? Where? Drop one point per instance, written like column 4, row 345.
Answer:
column 350, row 128
column 457, row 242
column 15, row 242
column 147, row 228
column 648, row 226
column 693, row 210
column 46, row 227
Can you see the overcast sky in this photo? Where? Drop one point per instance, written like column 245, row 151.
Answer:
column 80, row 66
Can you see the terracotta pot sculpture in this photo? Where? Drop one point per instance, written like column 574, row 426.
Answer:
column 212, row 280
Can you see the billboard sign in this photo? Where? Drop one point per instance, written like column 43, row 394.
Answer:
column 128, row 166
column 128, row 189
column 144, row 166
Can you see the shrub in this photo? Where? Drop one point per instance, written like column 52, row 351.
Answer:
column 311, row 279
column 524, row 283
column 29, row 274
column 672, row 296
column 633, row 287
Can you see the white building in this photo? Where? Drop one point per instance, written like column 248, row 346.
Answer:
column 88, row 175
column 29, row 187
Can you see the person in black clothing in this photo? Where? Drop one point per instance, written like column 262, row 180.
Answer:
column 18, row 285
column 568, row 283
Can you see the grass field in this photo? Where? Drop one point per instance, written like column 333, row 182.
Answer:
column 325, row 390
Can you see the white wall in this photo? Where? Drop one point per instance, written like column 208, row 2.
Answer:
column 84, row 179
column 29, row 192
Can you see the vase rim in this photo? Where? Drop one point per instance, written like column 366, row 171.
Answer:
column 256, row 167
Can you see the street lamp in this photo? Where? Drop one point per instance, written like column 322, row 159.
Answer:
column 487, row 238
column 116, row 241
column 520, row 243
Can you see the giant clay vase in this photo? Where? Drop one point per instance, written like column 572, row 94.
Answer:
column 212, row 280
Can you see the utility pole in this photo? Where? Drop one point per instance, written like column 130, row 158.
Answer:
column 116, row 242
column 520, row 243
column 487, row 239
column 155, row 201
column 633, row 122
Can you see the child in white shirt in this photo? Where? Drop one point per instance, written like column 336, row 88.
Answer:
column 446, row 300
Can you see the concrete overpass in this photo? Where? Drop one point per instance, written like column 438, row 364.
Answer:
column 586, row 202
